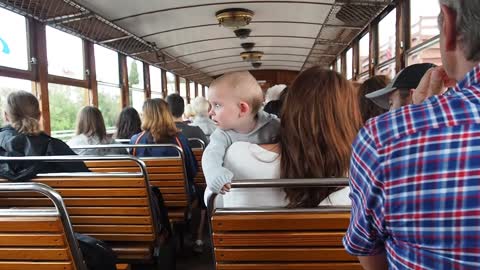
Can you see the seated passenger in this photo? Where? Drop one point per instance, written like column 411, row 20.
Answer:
column 201, row 119
column 415, row 171
column 398, row 92
column 176, row 106
column 23, row 136
column 319, row 121
column 274, row 99
column 159, row 128
column 91, row 131
column 128, row 124
column 368, row 109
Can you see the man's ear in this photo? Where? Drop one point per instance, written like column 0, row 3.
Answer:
column 244, row 108
column 449, row 27
column 5, row 116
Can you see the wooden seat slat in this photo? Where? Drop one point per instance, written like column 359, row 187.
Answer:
column 20, row 224
column 123, row 266
column 166, row 177
column 120, row 211
column 268, row 239
column 39, row 254
column 290, row 266
column 283, row 254
column 25, row 265
column 110, row 220
column 110, row 192
column 97, row 183
column 115, row 169
column 282, row 221
column 112, row 228
column 26, row 239
column 130, row 237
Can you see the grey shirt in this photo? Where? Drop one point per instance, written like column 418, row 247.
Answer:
column 216, row 175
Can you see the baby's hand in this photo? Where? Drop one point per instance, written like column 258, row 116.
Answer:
column 225, row 189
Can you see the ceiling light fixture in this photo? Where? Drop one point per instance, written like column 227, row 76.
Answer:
column 252, row 56
column 234, row 17
column 242, row 33
column 256, row 64
column 248, row 46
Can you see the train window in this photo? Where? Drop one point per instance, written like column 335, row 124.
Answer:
column 363, row 78
column 364, row 49
column 350, row 64
column 156, row 82
column 62, row 62
column 106, row 65
column 65, row 102
column 206, row 91
column 135, row 83
column 9, row 85
column 430, row 53
column 13, row 40
column 339, row 65
column 170, row 83
column 109, row 103
column 183, row 88
column 200, row 90
column 192, row 91
column 386, row 37
column 108, row 81
column 387, row 69
column 423, row 20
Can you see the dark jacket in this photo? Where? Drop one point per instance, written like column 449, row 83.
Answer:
column 192, row 132
column 13, row 144
column 190, row 161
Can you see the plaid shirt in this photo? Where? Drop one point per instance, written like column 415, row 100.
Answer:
column 415, row 183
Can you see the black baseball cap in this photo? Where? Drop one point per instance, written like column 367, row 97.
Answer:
column 407, row 78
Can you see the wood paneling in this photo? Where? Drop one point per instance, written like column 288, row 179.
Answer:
column 273, row 77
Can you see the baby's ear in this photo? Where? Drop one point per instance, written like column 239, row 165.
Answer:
column 244, row 108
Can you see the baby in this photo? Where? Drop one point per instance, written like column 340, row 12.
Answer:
column 236, row 99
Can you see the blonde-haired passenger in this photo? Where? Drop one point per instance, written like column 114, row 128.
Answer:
column 236, row 99
column 200, row 106
column 23, row 136
column 159, row 128
column 91, row 130
column 189, row 113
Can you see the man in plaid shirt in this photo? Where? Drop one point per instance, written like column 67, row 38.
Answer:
column 415, row 172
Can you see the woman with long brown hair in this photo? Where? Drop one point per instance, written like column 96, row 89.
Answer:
column 91, row 131
column 319, row 121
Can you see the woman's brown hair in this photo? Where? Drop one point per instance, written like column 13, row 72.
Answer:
column 319, row 121
column 368, row 109
column 23, row 112
column 158, row 120
column 90, row 123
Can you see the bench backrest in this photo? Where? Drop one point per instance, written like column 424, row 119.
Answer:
column 281, row 238
column 198, row 146
column 166, row 173
column 37, row 238
column 115, row 208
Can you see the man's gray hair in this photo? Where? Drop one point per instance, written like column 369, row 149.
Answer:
column 468, row 25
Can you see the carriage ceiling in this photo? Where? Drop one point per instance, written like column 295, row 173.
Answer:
column 184, row 37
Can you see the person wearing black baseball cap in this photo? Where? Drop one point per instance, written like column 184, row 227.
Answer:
column 398, row 92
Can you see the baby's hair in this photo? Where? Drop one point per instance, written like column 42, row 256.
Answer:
column 243, row 86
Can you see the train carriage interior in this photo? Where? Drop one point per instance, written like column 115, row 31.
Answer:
column 113, row 54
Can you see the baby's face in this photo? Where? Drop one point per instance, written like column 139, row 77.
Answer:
column 225, row 109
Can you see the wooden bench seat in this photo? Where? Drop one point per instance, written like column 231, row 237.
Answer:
column 115, row 208
column 279, row 238
column 37, row 238
column 166, row 173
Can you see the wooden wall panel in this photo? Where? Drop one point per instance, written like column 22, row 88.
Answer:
column 273, row 77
